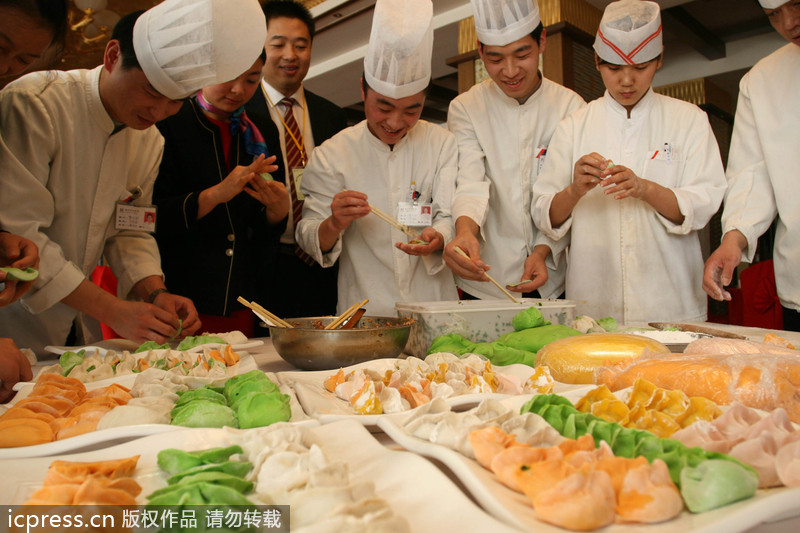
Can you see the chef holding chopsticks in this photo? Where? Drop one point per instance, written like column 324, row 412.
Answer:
column 402, row 166
column 503, row 126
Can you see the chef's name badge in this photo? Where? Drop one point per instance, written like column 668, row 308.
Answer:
column 135, row 217
column 415, row 214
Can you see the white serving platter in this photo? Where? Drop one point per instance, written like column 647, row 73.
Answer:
column 104, row 437
column 515, row 510
column 413, row 486
column 246, row 364
column 326, row 407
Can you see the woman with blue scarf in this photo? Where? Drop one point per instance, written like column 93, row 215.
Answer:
column 219, row 212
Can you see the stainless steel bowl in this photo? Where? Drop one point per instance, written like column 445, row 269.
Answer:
column 310, row 348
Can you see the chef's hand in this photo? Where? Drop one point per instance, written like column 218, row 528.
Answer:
column 14, row 367
column 720, row 265
column 431, row 236
column 623, row 183
column 140, row 321
column 534, row 270
column 589, row 171
column 17, row 252
column 273, row 195
column 233, row 184
column 181, row 307
column 473, row 268
column 348, row 206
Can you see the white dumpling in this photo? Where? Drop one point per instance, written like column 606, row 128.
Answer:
column 132, row 415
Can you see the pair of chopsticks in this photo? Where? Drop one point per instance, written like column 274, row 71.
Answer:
column 341, row 319
column 264, row 314
column 391, row 220
column 402, row 227
column 462, row 253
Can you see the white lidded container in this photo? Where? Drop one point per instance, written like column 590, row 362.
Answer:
column 477, row 320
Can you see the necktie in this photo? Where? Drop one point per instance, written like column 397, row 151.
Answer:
column 295, row 158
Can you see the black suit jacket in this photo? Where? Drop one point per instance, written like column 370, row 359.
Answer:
column 297, row 289
column 327, row 119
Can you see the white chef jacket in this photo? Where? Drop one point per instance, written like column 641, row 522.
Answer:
column 501, row 147
column 61, row 174
column 625, row 259
column 763, row 165
column 369, row 264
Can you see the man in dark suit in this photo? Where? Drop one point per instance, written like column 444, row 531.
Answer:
column 297, row 286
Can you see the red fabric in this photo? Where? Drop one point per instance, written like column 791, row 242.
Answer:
column 103, row 277
column 242, row 320
column 760, row 305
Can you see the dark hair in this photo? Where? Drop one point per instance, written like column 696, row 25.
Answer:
column 123, row 32
column 52, row 14
column 536, row 35
column 290, row 9
column 366, row 88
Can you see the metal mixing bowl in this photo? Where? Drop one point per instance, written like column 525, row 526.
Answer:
column 310, row 348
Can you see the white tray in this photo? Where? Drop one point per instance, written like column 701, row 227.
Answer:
column 414, row 487
column 101, row 438
column 515, row 510
column 326, row 407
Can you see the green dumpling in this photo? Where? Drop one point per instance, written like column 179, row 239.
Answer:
column 714, row 483
column 532, row 340
column 258, row 409
column 234, row 468
column 529, row 318
column 190, row 342
column 203, row 393
column 452, row 343
column 253, row 381
column 173, row 460
column 151, row 345
column 203, row 414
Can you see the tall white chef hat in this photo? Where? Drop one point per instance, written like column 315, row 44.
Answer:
column 629, row 33
column 185, row 45
column 501, row 22
column 398, row 59
column 772, row 4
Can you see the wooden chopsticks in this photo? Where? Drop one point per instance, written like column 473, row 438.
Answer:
column 462, row 253
column 263, row 313
column 402, row 227
column 347, row 314
column 391, row 220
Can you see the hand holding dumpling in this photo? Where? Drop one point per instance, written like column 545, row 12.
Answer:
column 433, row 239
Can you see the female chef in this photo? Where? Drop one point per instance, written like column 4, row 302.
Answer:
column 217, row 214
column 630, row 179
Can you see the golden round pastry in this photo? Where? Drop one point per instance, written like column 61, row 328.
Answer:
column 574, row 359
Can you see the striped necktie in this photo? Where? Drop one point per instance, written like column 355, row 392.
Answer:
column 295, row 158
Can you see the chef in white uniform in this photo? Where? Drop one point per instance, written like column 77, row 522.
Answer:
column 403, row 166
column 762, row 169
column 78, row 160
column 503, row 127
column 629, row 180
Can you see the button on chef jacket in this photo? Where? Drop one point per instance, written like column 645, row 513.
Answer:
column 498, row 144
column 369, row 264
column 763, row 165
column 624, row 259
